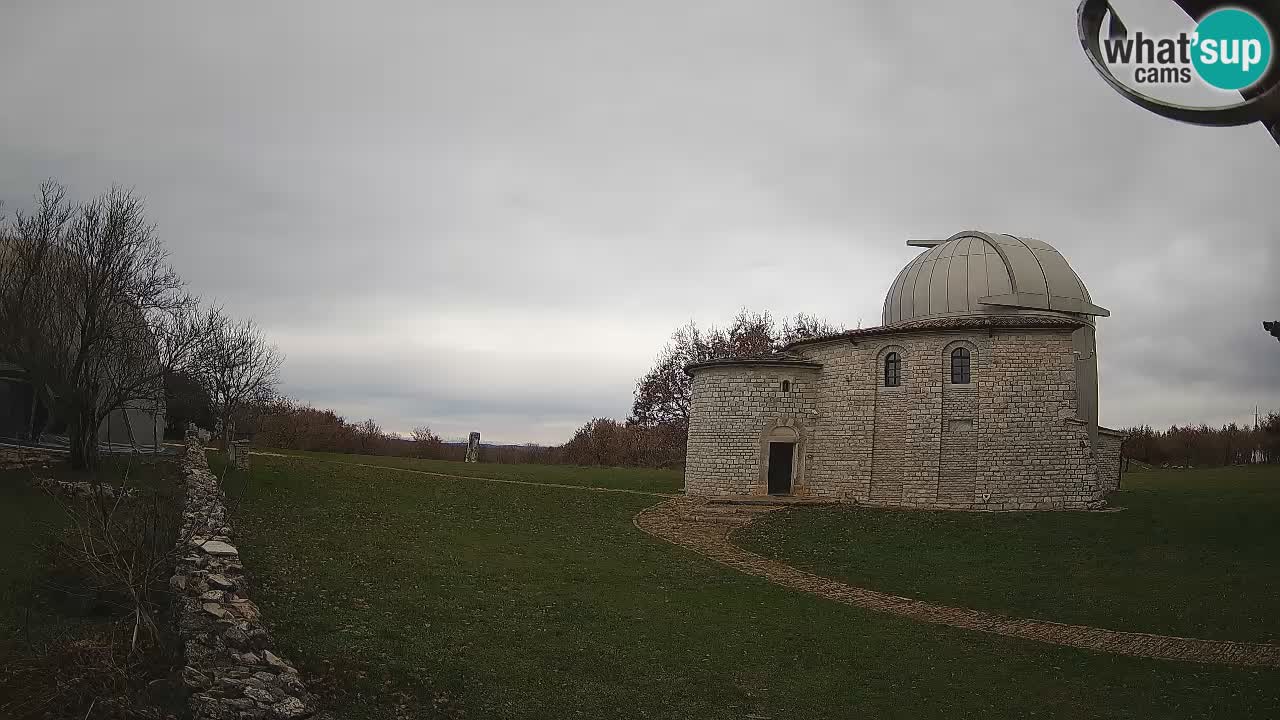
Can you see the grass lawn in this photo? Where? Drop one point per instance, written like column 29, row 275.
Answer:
column 29, row 522
column 1193, row 553
column 404, row 595
column 64, row 636
column 645, row 479
column 28, row 518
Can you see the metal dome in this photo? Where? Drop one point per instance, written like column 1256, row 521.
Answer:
column 978, row 273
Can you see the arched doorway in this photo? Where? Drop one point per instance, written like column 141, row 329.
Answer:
column 782, row 459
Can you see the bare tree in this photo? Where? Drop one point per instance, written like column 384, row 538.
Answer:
column 663, row 395
column 187, row 400
column 603, row 441
column 426, row 443
column 91, row 309
column 125, row 540
column 805, row 327
column 752, row 333
column 238, row 368
column 369, row 436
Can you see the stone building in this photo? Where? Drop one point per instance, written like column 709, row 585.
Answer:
column 28, row 408
column 26, row 415
column 978, row 392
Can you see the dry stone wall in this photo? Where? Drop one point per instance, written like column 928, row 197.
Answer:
column 1008, row 440
column 81, row 490
column 231, row 667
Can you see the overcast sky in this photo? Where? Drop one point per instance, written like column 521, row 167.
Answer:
column 490, row 215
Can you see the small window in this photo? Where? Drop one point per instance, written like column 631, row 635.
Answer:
column 892, row 370
column 960, row 366
column 786, row 386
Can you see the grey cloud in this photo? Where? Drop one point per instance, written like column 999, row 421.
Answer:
column 490, row 215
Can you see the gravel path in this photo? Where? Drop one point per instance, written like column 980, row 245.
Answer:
column 705, row 528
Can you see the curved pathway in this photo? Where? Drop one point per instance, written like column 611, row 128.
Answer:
column 704, row 528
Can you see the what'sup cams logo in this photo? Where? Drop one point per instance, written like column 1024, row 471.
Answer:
column 1229, row 49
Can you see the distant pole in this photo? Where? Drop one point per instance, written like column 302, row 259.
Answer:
column 473, row 447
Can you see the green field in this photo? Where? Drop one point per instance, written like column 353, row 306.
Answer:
column 405, row 595
column 1192, row 553
column 34, row 603
column 641, row 479
column 64, row 633
column 28, row 519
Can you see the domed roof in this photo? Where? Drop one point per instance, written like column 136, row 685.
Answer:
column 978, row 273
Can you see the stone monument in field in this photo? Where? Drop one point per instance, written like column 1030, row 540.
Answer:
column 473, row 447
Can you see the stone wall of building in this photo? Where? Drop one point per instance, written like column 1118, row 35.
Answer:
column 1109, row 442
column 733, row 409
column 910, row 445
column 230, row 665
column 1008, row 440
column 1035, row 454
column 958, row 455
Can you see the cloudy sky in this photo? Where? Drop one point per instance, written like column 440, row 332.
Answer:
column 490, row 215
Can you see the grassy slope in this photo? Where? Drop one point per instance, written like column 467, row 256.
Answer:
column 525, row 602
column 27, row 517
column 647, row 479
column 1193, row 553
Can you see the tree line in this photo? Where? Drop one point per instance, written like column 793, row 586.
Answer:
column 654, row 435
column 286, row 424
column 1205, row 446
column 606, row 442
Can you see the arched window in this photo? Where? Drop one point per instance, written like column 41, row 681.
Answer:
column 960, row 366
column 892, row 370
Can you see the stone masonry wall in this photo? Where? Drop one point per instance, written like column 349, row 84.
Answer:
column 1036, row 455
column 732, row 408
column 958, row 454
column 1109, row 458
column 1008, row 440
column 896, row 446
column 230, row 667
